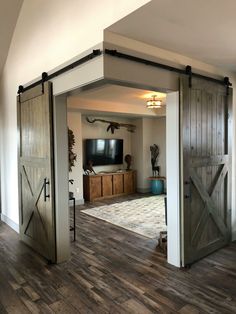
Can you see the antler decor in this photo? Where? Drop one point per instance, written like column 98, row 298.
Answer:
column 114, row 125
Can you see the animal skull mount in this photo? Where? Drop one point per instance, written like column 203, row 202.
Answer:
column 114, row 125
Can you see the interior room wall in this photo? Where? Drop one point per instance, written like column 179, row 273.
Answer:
column 150, row 131
column 159, row 137
column 137, row 151
column 148, row 139
column 98, row 130
column 84, row 130
column 74, row 120
column 47, row 34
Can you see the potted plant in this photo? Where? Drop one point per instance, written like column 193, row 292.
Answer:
column 71, row 156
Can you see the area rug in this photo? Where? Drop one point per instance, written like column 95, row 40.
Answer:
column 145, row 216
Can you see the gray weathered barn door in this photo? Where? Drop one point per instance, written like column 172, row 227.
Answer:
column 206, row 139
column 36, row 181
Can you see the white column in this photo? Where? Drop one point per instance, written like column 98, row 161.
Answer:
column 173, row 178
column 61, row 179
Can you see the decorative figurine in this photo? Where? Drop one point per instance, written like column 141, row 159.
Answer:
column 128, row 160
column 154, row 159
column 89, row 168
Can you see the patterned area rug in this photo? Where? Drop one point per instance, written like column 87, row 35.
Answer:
column 145, row 216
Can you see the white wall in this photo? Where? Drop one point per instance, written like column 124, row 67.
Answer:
column 47, row 34
column 159, row 133
column 61, row 178
column 148, row 139
column 137, row 152
column 74, row 120
column 173, row 182
column 149, row 131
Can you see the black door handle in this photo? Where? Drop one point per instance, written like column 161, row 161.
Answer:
column 45, row 184
column 187, row 189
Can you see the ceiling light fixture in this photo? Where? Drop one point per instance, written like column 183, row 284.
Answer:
column 154, row 103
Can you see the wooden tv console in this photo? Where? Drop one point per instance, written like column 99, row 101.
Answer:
column 112, row 184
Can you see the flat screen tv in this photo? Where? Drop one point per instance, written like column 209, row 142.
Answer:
column 104, row 151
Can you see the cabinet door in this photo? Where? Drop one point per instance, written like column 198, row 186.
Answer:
column 129, row 182
column 95, row 187
column 107, row 185
column 118, row 183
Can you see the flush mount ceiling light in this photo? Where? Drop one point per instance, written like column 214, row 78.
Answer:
column 154, row 102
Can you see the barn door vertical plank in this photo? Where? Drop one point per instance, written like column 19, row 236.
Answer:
column 205, row 162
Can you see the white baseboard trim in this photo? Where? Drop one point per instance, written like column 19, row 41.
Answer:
column 143, row 190
column 10, row 223
column 77, row 202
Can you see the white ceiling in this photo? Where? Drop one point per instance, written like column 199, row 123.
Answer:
column 120, row 94
column 201, row 29
column 9, row 11
column 115, row 95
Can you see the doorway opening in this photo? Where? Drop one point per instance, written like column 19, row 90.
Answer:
column 130, row 201
column 177, row 136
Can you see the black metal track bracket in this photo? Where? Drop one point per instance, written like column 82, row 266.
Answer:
column 227, row 84
column 188, row 71
column 20, row 90
column 121, row 55
column 96, row 52
column 44, row 79
column 47, row 77
column 115, row 53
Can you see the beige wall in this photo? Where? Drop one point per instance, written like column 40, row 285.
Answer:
column 137, row 152
column 83, row 130
column 149, row 131
column 137, row 140
column 98, row 130
column 159, row 132
column 74, row 120
column 47, row 34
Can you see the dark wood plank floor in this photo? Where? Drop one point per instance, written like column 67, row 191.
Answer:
column 112, row 271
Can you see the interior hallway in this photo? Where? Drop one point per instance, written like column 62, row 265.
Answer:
column 112, row 270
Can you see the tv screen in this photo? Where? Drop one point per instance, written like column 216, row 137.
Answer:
column 104, row 151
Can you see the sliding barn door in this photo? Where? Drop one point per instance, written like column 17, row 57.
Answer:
column 206, row 139
column 36, row 191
